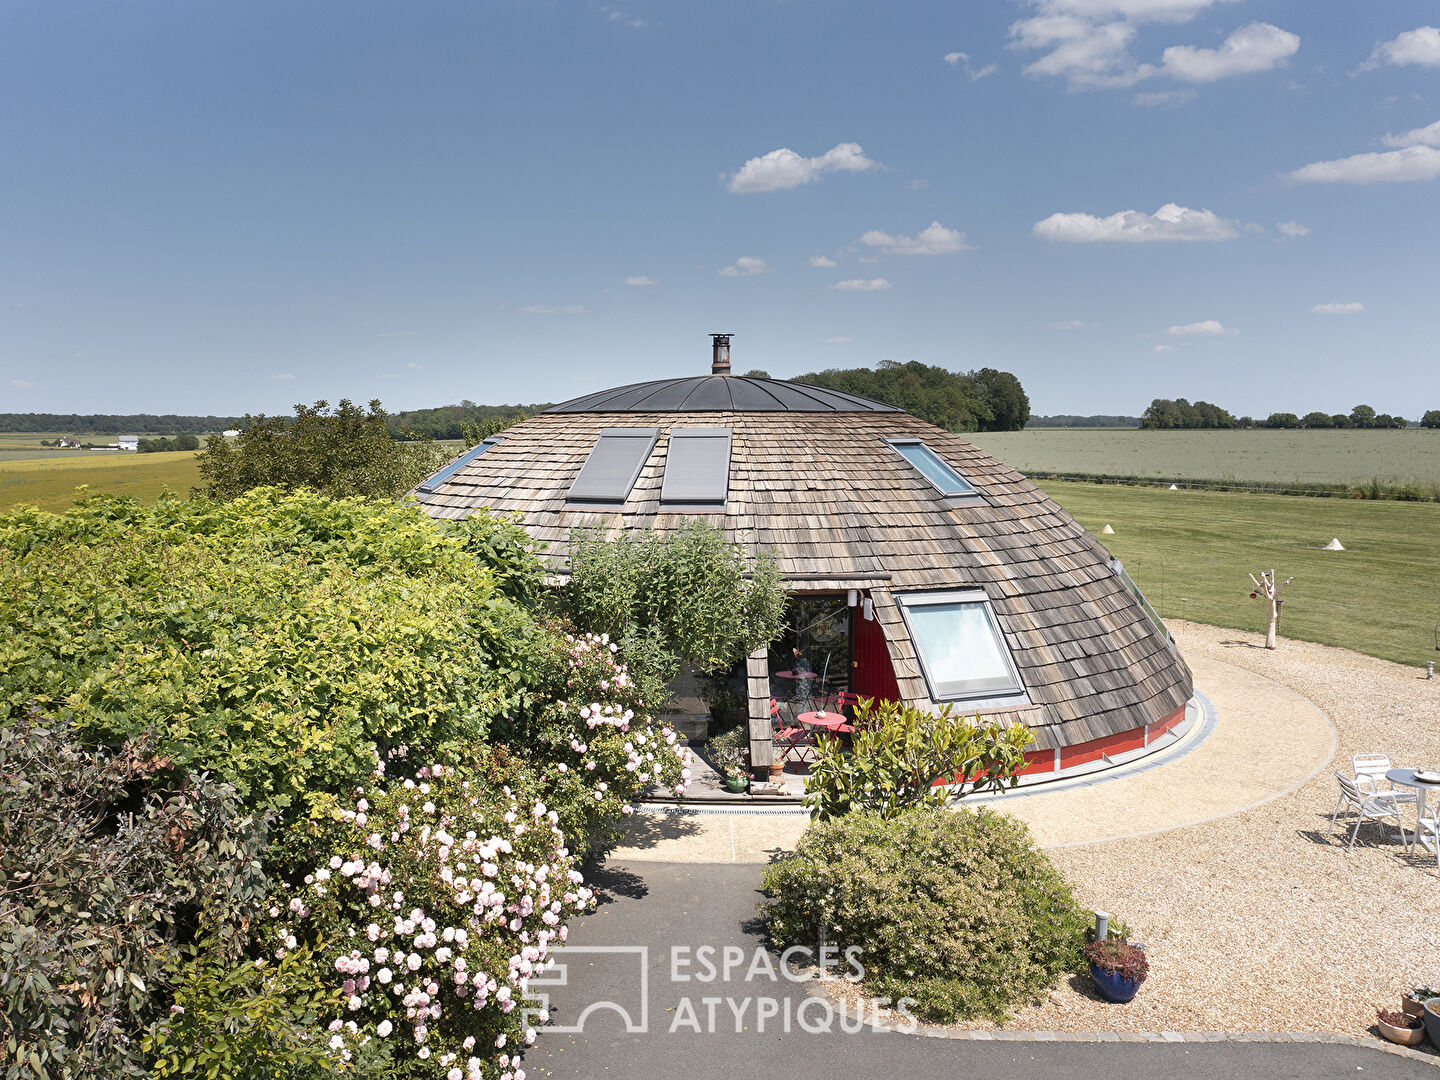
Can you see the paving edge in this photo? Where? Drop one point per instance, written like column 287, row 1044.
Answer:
column 988, row 1035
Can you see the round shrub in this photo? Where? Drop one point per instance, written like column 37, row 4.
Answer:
column 956, row 909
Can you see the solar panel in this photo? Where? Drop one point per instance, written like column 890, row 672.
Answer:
column 614, row 465
column 697, row 467
column 434, row 480
column 946, row 480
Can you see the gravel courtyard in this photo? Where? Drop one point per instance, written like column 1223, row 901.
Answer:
column 1256, row 921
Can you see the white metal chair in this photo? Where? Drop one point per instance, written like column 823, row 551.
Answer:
column 1370, row 770
column 1430, row 823
column 1368, row 806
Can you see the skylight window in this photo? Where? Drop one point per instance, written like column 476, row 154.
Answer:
column 434, row 480
column 960, row 647
column 1129, row 583
column 697, row 469
column 613, row 466
column 944, row 478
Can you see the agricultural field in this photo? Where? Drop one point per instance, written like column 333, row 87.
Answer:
column 15, row 446
column 50, row 482
column 1408, row 456
column 1190, row 552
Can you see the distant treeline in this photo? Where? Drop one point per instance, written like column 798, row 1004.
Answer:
column 983, row 400
column 453, row 421
column 1165, row 414
column 102, row 424
column 1066, row 420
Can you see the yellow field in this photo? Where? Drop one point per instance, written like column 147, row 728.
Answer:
column 50, row 482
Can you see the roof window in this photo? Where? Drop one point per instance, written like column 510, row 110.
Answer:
column 613, row 465
column 434, row 480
column 959, row 643
column 697, row 469
column 941, row 475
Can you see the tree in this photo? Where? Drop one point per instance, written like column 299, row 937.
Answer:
column 1431, row 419
column 1265, row 586
column 1001, row 391
column 341, row 452
column 757, row 373
column 1342, row 420
column 950, row 400
column 1385, row 420
column 1362, row 416
column 1317, row 420
column 1282, row 420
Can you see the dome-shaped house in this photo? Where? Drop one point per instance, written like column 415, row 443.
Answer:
column 919, row 567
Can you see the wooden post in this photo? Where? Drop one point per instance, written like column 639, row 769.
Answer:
column 1265, row 586
column 762, row 747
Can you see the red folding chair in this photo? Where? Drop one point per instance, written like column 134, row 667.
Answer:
column 791, row 743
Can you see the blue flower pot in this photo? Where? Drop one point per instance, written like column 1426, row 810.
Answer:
column 1112, row 987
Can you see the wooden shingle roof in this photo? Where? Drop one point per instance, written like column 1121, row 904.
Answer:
column 841, row 509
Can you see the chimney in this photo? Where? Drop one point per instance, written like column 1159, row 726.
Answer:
column 720, row 358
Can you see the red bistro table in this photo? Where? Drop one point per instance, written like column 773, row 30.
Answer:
column 832, row 722
column 795, row 675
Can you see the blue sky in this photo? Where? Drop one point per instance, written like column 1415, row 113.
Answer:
column 220, row 208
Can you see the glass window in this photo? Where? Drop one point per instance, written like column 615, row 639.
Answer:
column 946, row 480
column 959, row 645
column 434, row 480
column 614, row 465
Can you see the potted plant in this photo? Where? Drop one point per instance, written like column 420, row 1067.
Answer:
column 1117, row 968
column 1432, row 1020
column 1413, row 1001
column 1400, row 1027
column 728, row 753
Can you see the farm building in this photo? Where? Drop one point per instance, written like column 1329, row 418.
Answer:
column 918, row 567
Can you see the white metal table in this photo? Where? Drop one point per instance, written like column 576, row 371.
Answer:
column 1406, row 778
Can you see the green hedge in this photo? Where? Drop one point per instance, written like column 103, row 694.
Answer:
column 277, row 641
column 956, row 909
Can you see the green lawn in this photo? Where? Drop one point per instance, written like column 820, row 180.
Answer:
column 1381, row 596
column 50, row 482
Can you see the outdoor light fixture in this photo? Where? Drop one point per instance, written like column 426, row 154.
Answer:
column 1102, row 925
column 852, row 597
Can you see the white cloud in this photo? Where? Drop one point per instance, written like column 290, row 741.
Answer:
column 1420, row 46
column 283, row 377
column 413, row 366
column 878, row 284
column 821, row 262
column 1411, row 163
column 1257, row 47
column 552, row 309
column 1163, row 348
column 838, row 340
column 1087, row 43
column 641, row 280
column 22, row 384
column 783, row 168
column 1073, row 324
column 1292, row 230
column 1424, row 136
column 934, row 239
column 1164, row 99
column 960, row 59
column 624, row 18
column 1169, row 223
column 1207, row 328
column 1352, row 308
column 745, row 266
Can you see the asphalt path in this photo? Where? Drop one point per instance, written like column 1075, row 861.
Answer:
column 649, row 983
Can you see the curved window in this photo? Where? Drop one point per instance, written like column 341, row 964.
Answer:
column 434, row 480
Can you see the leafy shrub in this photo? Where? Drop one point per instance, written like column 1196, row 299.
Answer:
column 429, row 905
column 954, row 908
column 276, row 640
column 103, row 872
column 341, row 453
column 899, row 752
column 669, row 599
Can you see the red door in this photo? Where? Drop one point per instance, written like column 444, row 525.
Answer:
column 873, row 675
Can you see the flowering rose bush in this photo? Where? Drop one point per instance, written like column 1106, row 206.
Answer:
column 596, row 746
column 440, row 897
